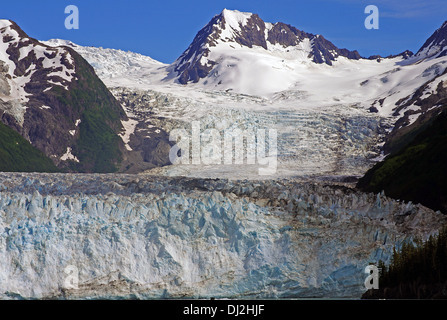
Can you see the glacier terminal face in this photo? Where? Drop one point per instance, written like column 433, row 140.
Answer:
column 143, row 236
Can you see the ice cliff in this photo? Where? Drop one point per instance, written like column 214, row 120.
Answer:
column 137, row 236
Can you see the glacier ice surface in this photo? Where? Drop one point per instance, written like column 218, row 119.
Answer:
column 143, row 236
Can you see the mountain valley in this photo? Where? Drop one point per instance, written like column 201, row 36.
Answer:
column 87, row 181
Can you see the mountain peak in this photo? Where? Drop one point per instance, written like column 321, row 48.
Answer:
column 232, row 30
column 436, row 45
column 5, row 23
column 234, row 18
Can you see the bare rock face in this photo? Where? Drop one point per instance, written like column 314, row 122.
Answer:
column 147, row 144
column 252, row 33
column 248, row 30
column 188, row 66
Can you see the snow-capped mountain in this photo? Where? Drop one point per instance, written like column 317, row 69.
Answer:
column 257, row 73
column 51, row 97
column 28, row 65
column 415, row 90
column 233, row 31
column 240, row 53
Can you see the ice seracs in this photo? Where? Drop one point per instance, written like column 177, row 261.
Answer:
column 133, row 236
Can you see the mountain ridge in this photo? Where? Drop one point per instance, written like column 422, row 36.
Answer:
column 50, row 95
column 249, row 30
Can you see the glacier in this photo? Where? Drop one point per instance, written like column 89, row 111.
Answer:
column 223, row 231
column 340, row 139
column 150, row 237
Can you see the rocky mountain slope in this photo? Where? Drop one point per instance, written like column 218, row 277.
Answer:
column 436, row 45
column 426, row 101
column 17, row 154
column 53, row 98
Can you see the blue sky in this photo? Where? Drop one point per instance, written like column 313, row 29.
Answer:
column 163, row 29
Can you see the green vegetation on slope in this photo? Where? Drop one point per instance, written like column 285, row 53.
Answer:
column 416, row 271
column 98, row 146
column 98, row 143
column 17, row 154
column 418, row 171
